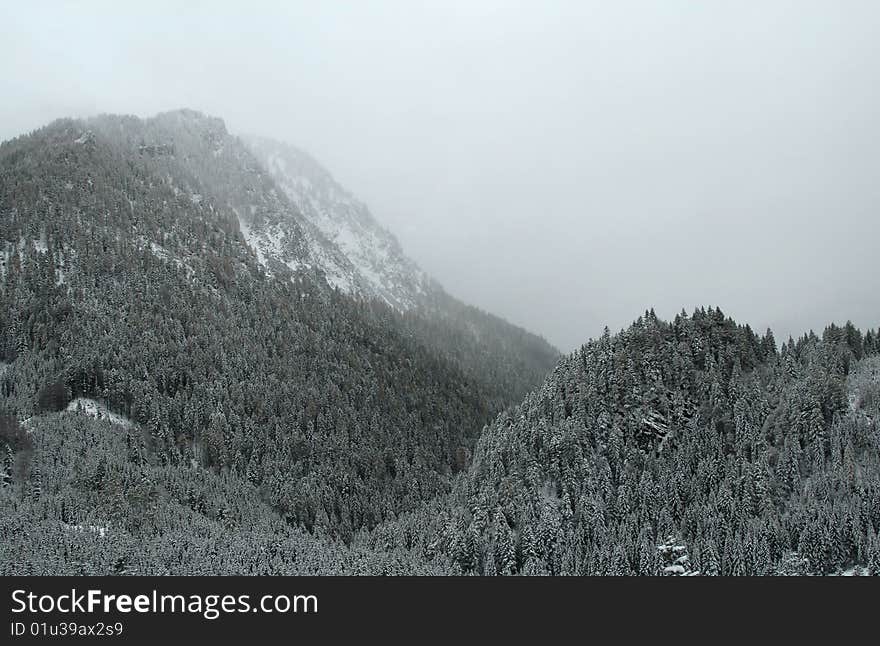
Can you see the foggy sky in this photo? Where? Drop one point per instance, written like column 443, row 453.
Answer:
column 564, row 165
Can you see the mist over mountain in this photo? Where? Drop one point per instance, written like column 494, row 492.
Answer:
column 376, row 265
column 563, row 165
column 214, row 359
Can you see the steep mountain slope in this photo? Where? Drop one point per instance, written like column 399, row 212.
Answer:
column 128, row 279
column 676, row 448
column 377, row 266
column 364, row 259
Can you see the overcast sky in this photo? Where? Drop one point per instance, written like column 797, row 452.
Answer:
column 564, row 165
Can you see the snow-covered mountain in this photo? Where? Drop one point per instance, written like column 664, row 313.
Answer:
column 355, row 252
column 290, row 211
column 193, row 185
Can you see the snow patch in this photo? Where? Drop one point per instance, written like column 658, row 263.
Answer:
column 269, row 242
column 253, row 242
column 863, row 388
column 97, row 410
column 163, row 254
column 94, row 529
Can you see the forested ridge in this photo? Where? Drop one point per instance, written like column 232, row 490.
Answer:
column 253, row 419
column 688, row 447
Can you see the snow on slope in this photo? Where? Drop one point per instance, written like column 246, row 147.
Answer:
column 100, row 530
column 273, row 242
column 372, row 262
column 97, row 410
column 863, row 388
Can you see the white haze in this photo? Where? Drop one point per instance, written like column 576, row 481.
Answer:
column 564, row 165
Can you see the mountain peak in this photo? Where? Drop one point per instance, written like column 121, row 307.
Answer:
column 190, row 118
